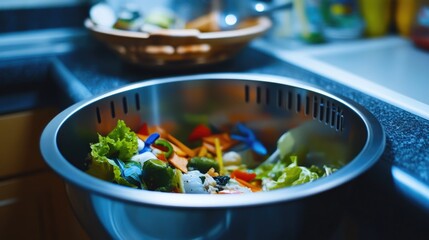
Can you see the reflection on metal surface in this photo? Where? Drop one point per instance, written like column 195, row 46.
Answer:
column 411, row 187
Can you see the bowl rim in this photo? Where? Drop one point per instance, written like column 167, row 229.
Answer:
column 368, row 156
column 263, row 24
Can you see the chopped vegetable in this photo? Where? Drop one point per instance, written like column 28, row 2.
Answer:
column 203, row 164
column 224, row 139
column 165, row 147
column 158, row 161
column 199, row 132
column 182, row 146
column 177, row 182
column 143, row 130
column 203, row 151
column 120, row 143
column 179, row 162
column 253, row 188
column 231, row 158
column 219, row 156
column 158, row 175
column 243, row 175
column 282, row 174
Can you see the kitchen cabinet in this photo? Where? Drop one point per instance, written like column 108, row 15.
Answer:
column 33, row 203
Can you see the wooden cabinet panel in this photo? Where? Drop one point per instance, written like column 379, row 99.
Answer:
column 24, row 204
column 33, row 202
column 19, row 142
column 36, row 207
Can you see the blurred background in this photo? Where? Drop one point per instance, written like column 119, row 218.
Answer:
column 310, row 21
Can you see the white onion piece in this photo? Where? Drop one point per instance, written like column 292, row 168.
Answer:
column 143, row 157
column 192, row 182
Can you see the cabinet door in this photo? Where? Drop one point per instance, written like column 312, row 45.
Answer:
column 23, row 208
column 19, row 144
column 33, row 202
column 36, row 207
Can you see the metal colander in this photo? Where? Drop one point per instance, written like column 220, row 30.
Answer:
column 333, row 129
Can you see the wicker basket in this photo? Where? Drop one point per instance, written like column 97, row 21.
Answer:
column 179, row 48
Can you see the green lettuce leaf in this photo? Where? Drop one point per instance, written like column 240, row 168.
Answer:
column 120, row 143
column 124, row 143
column 284, row 174
column 101, row 168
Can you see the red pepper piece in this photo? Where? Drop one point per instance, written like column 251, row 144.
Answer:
column 246, row 176
column 199, row 132
column 144, row 130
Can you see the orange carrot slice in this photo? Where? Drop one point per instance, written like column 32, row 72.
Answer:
column 252, row 187
column 178, row 151
column 225, row 140
column 180, row 145
column 179, row 162
column 210, row 147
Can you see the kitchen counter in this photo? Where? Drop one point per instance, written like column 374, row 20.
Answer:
column 389, row 68
column 392, row 199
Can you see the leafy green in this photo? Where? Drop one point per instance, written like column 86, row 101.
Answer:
column 289, row 173
column 101, row 168
column 124, row 141
column 120, row 143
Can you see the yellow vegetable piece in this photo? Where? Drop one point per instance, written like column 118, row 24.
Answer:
column 203, row 151
column 219, row 155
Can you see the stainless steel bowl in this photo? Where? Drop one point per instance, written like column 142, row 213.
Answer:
column 270, row 105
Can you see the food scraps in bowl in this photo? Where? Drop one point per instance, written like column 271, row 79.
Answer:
column 153, row 159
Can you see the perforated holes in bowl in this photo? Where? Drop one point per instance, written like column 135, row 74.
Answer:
column 320, row 108
column 298, row 102
column 246, row 93
column 137, row 99
column 97, row 112
column 279, row 98
column 267, row 96
column 307, row 105
column 258, row 95
column 125, row 105
column 114, row 110
column 289, row 100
